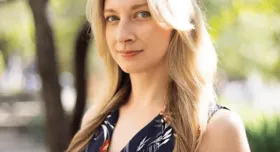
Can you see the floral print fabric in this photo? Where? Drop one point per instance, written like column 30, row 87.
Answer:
column 156, row 136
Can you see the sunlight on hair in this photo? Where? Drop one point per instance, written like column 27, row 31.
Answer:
column 176, row 13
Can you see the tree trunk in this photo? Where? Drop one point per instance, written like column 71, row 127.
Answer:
column 57, row 126
column 80, row 70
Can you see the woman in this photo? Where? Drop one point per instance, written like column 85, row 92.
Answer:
column 161, row 64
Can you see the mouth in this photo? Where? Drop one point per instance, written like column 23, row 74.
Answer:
column 129, row 53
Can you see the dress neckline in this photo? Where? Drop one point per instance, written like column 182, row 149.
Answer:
column 115, row 117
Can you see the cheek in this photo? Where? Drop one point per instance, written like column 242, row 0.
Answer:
column 163, row 38
column 154, row 33
column 110, row 40
column 158, row 39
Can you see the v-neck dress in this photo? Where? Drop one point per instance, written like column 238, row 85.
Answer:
column 156, row 136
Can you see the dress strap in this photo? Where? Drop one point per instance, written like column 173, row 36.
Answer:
column 213, row 111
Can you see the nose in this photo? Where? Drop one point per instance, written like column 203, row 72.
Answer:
column 125, row 33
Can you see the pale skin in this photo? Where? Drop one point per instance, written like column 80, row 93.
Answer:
column 129, row 27
column 225, row 133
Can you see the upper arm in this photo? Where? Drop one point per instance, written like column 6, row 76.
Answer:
column 225, row 133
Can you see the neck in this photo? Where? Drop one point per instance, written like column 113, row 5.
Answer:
column 149, row 88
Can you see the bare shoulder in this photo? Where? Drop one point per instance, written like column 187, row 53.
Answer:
column 225, row 133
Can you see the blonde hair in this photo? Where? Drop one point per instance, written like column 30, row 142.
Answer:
column 192, row 64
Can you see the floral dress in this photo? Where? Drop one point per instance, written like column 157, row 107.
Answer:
column 156, row 136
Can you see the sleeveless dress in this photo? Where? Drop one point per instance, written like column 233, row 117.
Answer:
column 156, row 136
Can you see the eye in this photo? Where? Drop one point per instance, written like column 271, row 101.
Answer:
column 144, row 14
column 111, row 18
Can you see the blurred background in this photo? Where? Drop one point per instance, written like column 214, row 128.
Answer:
column 50, row 72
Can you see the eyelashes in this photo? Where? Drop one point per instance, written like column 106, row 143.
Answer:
column 141, row 15
column 144, row 14
column 111, row 18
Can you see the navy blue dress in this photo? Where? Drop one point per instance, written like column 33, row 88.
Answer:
column 156, row 136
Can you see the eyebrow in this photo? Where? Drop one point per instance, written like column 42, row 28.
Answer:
column 136, row 6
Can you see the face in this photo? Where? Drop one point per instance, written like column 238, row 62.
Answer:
column 136, row 42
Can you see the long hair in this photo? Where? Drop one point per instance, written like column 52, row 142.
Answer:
column 192, row 63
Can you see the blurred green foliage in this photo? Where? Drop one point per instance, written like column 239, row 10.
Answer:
column 264, row 135
column 17, row 29
column 246, row 34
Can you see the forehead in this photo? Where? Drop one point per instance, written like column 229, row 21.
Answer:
column 122, row 4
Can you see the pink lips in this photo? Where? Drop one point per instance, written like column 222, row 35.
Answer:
column 128, row 54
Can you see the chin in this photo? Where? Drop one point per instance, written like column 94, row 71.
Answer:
column 131, row 70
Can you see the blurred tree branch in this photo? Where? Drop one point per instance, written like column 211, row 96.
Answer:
column 80, row 71
column 57, row 126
